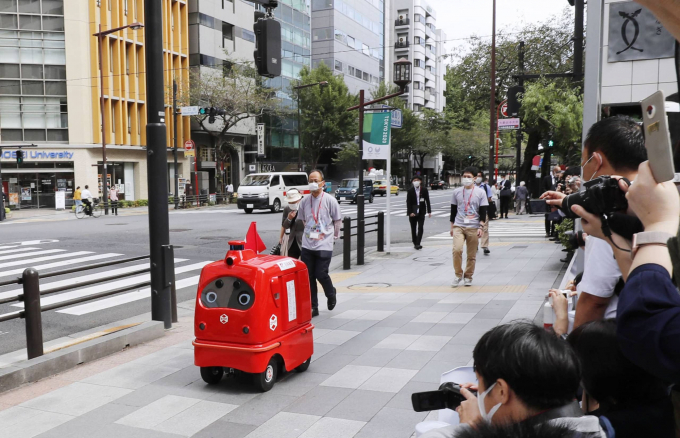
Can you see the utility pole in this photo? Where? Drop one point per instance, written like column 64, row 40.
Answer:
column 174, row 149
column 518, row 164
column 578, row 39
column 360, row 190
column 156, row 159
column 492, row 105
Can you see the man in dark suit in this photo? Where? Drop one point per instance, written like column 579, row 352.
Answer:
column 417, row 204
column 550, row 184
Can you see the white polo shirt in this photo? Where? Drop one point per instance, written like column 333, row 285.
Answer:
column 601, row 273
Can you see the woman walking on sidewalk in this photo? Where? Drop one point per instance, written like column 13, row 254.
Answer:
column 291, row 228
column 113, row 197
column 506, row 198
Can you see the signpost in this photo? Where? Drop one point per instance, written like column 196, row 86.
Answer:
column 508, row 124
column 396, row 116
column 260, row 139
column 189, row 148
column 504, row 109
column 189, row 110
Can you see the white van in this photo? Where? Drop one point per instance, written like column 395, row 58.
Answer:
column 260, row 191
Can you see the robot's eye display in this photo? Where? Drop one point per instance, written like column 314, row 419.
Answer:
column 228, row 292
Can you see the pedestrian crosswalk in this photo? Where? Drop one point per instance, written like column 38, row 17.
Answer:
column 507, row 228
column 46, row 257
column 352, row 211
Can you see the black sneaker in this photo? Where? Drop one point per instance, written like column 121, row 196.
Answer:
column 332, row 301
column 486, row 251
column 315, row 311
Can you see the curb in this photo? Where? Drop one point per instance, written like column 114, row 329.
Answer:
column 336, row 261
column 50, row 364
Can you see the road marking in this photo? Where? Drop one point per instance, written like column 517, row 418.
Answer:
column 30, row 242
column 95, row 289
column 10, row 251
column 125, row 298
column 45, row 251
column 29, row 262
column 62, row 263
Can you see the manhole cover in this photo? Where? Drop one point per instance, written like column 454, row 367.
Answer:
column 216, row 238
column 519, row 247
column 179, row 230
column 427, row 259
column 369, row 286
column 115, row 224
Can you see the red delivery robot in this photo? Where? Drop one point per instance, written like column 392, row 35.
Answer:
column 253, row 314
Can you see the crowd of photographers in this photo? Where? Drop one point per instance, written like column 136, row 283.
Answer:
column 614, row 369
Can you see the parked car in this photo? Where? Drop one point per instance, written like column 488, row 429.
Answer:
column 348, row 190
column 262, row 191
column 439, row 185
column 380, row 188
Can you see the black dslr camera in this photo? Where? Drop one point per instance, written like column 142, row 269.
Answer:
column 602, row 195
column 447, row 397
column 576, row 239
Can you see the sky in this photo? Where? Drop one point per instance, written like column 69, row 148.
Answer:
column 463, row 18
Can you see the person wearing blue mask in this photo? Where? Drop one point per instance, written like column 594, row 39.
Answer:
column 526, row 375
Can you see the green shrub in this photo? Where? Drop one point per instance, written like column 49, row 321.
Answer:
column 142, row 203
column 562, row 228
column 171, row 200
column 6, row 210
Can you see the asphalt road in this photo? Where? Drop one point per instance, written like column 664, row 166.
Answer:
column 200, row 236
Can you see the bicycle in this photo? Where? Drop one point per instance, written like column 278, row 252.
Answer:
column 96, row 210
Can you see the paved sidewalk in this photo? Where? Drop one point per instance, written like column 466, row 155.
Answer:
column 397, row 327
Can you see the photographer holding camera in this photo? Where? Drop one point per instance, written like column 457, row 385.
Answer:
column 526, row 375
column 613, row 146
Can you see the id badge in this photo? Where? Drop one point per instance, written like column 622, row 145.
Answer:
column 466, row 221
column 314, row 235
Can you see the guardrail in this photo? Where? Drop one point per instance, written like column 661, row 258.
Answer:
column 31, row 294
column 347, row 234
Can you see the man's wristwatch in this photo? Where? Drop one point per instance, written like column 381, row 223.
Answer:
column 649, row 238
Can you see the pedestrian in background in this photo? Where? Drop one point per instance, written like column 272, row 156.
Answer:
column 481, row 183
column 417, row 204
column 521, row 195
column 77, row 198
column 230, row 192
column 86, row 197
column 292, row 229
column 469, row 206
column 113, row 197
column 506, row 198
column 322, row 219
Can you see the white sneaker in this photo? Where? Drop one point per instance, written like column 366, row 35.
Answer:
column 456, row 282
column 468, row 282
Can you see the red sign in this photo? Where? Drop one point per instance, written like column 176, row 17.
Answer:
column 189, row 145
column 504, row 109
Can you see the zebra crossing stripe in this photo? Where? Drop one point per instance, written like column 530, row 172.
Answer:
column 31, row 254
column 70, row 262
column 29, row 262
column 125, row 298
column 129, row 281
column 10, row 251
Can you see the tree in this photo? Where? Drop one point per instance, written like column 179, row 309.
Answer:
column 237, row 90
column 325, row 121
column 469, row 145
column 347, row 156
column 432, row 136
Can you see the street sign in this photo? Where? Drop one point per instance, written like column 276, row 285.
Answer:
column 396, row 121
column 189, row 110
column 507, row 124
column 504, row 109
column 189, row 148
column 260, row 139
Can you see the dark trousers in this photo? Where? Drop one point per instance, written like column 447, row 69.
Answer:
column 294, row 250
column 317, row 265
column 114, row 207
column 505, row 205
column 416, row 236
column 88, row 207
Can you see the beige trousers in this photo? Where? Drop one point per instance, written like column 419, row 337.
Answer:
column 468, row 237
column 484, row 243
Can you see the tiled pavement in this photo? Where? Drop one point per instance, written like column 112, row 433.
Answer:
column 397, row 327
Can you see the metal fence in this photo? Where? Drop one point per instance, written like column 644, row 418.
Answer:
column 348, row 231
column 32, row 293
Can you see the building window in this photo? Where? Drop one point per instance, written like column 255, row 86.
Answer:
column 320, row 5
column 325, row 33
column 350, row 70
column 366, row 51
column 338, row 65
column 129, row 121
column 248, row 35
column 227, row 31
column 418, row 63
column 358, row 73
column 418, row 18
column 125, row 6
column 111, row 57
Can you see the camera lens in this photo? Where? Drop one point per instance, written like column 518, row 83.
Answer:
column 244, row 299
column 211, row 297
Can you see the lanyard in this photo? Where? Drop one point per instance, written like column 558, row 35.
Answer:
column 318, row 210
column 467, row 205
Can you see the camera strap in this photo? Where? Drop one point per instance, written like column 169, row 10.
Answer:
column 608, row 232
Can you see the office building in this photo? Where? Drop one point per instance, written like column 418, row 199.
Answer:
column 50, row 91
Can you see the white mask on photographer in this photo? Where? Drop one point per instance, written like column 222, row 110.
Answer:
column 294, row 207
column 467, row 182
column 584, row 167
column 478, row 181
column 416, row 184
column 482, row 407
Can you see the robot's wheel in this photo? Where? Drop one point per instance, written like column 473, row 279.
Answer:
column 212, row 375
column 303, row 366
column 265, row 381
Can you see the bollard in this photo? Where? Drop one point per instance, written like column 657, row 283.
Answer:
column 34, row 337
column 346, row 242
column 168, row 301
column 381, row 231
column 361, row 229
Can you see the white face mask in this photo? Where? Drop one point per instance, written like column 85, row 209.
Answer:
column 584, row 168
column 313, row 186
column 482, row 407
column 478, row 180
column 294, row 207
column 416, row 184
column 467, row 182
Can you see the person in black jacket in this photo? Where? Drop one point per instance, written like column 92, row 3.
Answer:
column 550, row 184
column 417, row 204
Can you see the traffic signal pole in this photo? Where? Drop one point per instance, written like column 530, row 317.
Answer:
column 174, row 149
column 518, row 164
column 157, row 167
column 492, row 113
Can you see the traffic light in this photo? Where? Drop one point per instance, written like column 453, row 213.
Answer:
column 550, row 143
column 513, row 100
column 203, row 111
column 20, row 156
column 211, row 116
column 268, row 47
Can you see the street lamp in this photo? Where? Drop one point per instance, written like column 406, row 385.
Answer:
column 298, row 88
column 100, row 39
column 402, row 77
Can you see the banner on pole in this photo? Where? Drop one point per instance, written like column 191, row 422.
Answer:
column 260, row 139
column 376, row 136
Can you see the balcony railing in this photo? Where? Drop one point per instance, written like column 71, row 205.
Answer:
column 402, row 44
column 402, row 22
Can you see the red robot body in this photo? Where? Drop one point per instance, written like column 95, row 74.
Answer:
column 253, row 314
